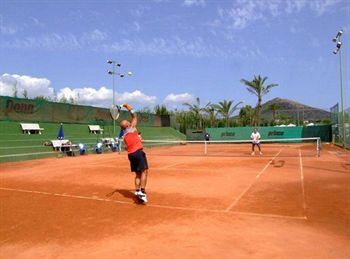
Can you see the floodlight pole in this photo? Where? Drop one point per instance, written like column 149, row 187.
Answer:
column 341, row 96
column 113, row 73
column 113, row 83
column 337, row 40
column 113, row 63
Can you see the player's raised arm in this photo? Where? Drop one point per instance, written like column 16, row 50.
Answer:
column 133, row 115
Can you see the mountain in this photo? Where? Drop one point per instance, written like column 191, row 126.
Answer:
column 293, row 110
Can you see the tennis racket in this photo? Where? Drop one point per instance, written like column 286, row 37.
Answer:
column 115, row 111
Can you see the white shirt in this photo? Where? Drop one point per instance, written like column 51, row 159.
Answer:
column 255, row 137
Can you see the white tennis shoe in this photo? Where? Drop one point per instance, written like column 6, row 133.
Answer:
column 253, row 153
column 143, row 197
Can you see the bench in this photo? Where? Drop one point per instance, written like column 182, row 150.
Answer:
column 95, row 129
column 28, row 128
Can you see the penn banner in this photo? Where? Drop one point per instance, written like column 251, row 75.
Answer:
column 29, row 110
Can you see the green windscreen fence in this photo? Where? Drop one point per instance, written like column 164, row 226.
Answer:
column 340, row 126
column 346, row 126
column 26, row 110
column 243, row 133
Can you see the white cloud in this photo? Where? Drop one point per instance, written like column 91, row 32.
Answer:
column 137, row 26
column 6, row 28
column 95, row 41
column 103, row 96
column 55, row 41
column 10, row 30
column 34, row 86
column 321, row 6
column 95, row 35
column 139, row 11
column 36, row 22
column 137, row 97
column 50, row 42
column 86, row 95
column 177, row 100
column 196, row 47
column 244, row 12
column 194, row 3
column 295, row 5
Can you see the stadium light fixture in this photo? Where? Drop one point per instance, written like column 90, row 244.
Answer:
column 339, row 44
column 337, row 40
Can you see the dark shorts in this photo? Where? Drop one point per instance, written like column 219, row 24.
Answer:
column 138, row 161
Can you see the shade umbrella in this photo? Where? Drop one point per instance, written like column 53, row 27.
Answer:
column 60, row 133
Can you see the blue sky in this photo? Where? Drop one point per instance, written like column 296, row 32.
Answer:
column 177, row 50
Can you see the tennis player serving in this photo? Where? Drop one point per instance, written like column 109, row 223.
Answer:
column 136, row 155
column 255, row 141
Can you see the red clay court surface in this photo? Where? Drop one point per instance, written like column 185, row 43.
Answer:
column 284, row 204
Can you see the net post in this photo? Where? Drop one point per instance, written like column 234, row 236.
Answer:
column 205, row 147
column 318, row 147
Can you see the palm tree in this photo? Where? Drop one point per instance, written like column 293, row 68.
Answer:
column 246, row 115
column 212, row 114
column 225, row 109
column 256, row 87
column 197, row 111
column 273, row 107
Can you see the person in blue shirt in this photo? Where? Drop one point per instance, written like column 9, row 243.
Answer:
column 119, row 139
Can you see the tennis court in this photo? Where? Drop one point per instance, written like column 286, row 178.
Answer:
column 287, row 203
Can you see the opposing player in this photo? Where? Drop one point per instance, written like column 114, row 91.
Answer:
column 136, row 155
column 255, row 141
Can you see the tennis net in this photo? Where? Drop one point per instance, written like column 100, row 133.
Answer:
column 269, row 147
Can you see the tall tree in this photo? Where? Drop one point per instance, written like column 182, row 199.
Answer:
column 197, row 111
column 257, row 87
column 212, row 115
column 273, row 107
column 15, row 90
column 246, row 115
column 63, row 99
column 25, row 94
column 226, row 109
column 41, row 98
column 161, row 110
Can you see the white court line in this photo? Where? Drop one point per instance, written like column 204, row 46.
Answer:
column 171, row 165
column 266, row 215
column 252, row 183
column 302, row 181
column 154, row 205
column 28, row 154
column 65, row 195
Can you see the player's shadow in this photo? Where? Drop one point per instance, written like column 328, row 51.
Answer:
column 125, row 193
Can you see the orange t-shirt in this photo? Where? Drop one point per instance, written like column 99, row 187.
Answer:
column 132, row 140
